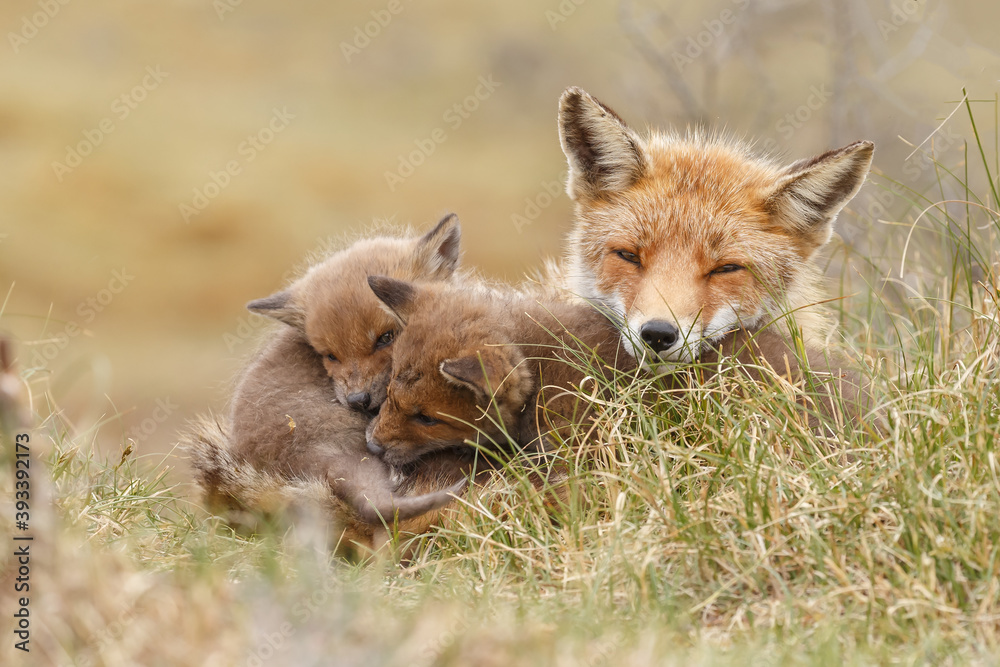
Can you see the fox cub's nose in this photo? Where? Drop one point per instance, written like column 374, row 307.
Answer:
column 359, row 400
column 375, row 448
column 659, row 335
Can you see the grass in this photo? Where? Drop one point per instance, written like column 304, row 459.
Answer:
column 706, row 529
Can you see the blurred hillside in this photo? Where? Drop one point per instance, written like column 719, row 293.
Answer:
column 163, row 163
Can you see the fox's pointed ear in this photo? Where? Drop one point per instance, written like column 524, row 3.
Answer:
column 397, row 296
column 281, row 306
column 438, row 250
column 492, row 372
column 604, row 154
column 810, row 193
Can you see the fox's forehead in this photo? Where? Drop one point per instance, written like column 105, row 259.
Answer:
column 679, row 166
column 347, row 325
column 342, row 312
column 651, row 223
column 433, row 337
column 415, row 359
column 416, row 379
column 370, row 256
column 708, row 198
column 349, row 269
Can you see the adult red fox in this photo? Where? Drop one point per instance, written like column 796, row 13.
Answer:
column 688, row 239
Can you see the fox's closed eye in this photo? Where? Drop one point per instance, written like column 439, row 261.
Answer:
column 332, row 358
column 727, row 268
column 629, row 257
column 425, row 420
column 385, row 339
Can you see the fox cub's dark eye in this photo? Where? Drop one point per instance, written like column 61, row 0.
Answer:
column 385, row 339
column 425, row 420
column 332, row 358
column 727, row 268
column 629, row 257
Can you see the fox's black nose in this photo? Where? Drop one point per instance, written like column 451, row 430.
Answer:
column 359, row 400
column 375, row 448
column 659, row 335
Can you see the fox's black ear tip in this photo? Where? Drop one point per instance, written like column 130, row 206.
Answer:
column 572, row 96
column 394, row 293
column 449, row 220
column 449, row 224
column 384, row 285
column 276, row 301
column 864, row 147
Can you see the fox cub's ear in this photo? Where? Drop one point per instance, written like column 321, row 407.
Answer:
column 493, row 372
column 810, row 193
column 604, row 154
column 437, row 251
column 281, row 307
column 397, row 296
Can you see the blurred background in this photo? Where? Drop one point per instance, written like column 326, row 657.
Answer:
column 161, row 164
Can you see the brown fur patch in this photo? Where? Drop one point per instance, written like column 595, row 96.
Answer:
column 259, row 463
column 435, row 398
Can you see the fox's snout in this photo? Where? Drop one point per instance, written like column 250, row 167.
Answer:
column 360, row 401
column 396, row 454
column 384, row 445
column 661, row 340
column 372, row 442
column 375, row 448
column 362, row 388
column 659, row 335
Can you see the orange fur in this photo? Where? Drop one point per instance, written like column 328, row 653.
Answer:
column 691, row 238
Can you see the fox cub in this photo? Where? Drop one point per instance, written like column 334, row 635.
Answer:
column 297, row 421
column 484, row 367
column 693, row 241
